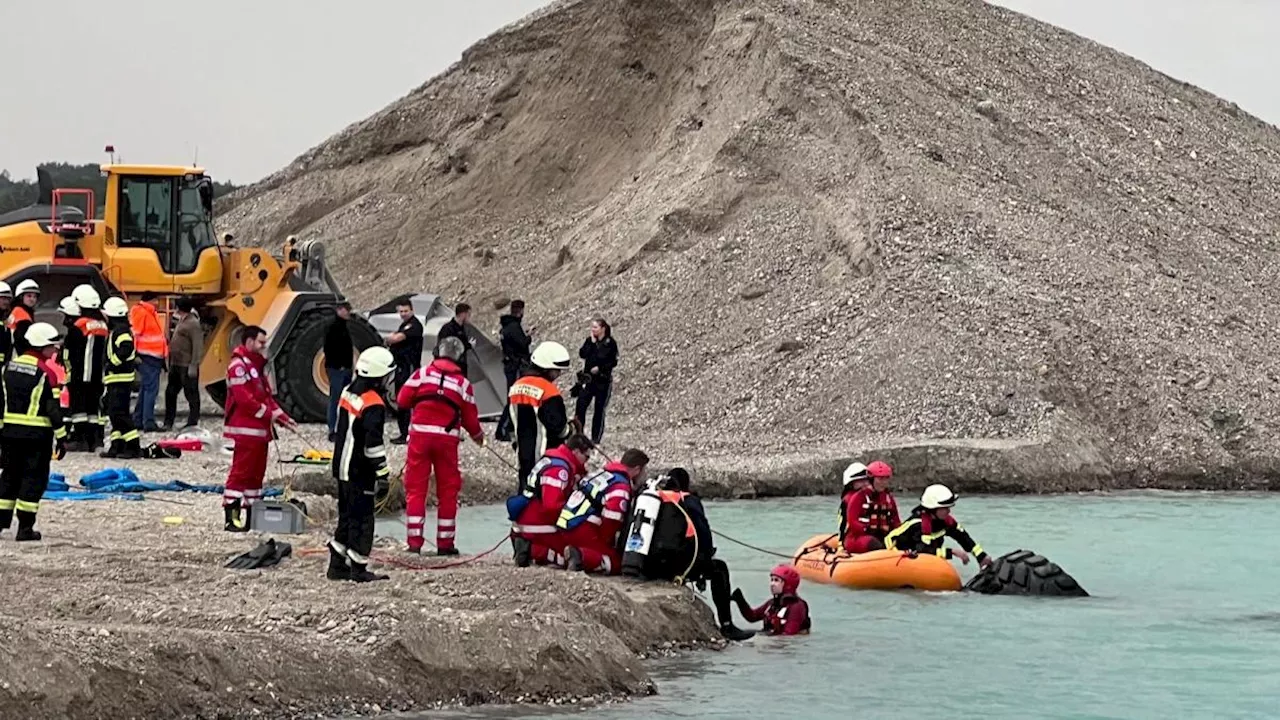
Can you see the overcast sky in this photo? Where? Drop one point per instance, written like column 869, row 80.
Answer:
column 255, row 83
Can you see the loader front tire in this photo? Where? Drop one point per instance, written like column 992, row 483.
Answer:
column 298, row 390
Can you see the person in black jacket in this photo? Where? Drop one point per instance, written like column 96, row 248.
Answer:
column 599, row 355
column 457, row 327
column 338, row 351
column 515, row 358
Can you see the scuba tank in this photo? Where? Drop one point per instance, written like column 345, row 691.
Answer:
column 644, row 514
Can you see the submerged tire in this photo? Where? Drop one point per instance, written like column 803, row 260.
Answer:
column 1023, row 572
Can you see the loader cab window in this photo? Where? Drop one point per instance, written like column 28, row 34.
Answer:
column 168, row 215
column 195, row 231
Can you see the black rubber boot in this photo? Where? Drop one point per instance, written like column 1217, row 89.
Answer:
column 112, row 451
column 27, row 534
column 523, row 551
column 131, row 450
column 338, row 567
column 361, row 574
column 573, row 559
column 230, row 515
column 447, row 552
column 733, row 632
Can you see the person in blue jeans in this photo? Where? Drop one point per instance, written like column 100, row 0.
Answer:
column 338, row 359
column 150, row 339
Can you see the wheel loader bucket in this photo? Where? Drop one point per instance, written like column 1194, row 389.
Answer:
column 484, row 357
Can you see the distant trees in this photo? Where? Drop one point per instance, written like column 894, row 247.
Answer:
column 16, row 194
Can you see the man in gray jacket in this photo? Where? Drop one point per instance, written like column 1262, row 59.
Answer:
column 186, row 348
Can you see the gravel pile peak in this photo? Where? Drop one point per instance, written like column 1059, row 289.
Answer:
column 841, row 224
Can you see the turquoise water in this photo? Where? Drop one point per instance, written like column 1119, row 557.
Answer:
column 1183, row 622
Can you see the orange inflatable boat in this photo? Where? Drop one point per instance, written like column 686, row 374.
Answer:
column 823, row 560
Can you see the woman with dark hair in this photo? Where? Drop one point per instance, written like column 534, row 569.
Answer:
column 599, row 355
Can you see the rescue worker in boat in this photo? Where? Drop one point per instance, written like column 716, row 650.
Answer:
column 117, row 382
column 21, row 316
column 250, row 413
column 359, row 464
column 868, row 511
column 32, row 434
column 534, row 510
column 931, row 522
column 86, row 350
column 442, row 404
column 539, row 418
column 669, row 538
column 588, row 527
column 784, row 613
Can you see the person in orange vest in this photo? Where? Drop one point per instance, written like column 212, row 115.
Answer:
column 153, row 352
column 23, row 314
column 539, row 418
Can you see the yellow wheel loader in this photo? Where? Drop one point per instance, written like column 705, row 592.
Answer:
column 156, row 235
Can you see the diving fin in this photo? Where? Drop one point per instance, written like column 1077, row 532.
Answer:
column 266, row 554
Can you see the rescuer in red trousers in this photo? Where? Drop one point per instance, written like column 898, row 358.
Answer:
column 535, row 509
column 250, row 411
column 442, row 404
column 594, row 515
column 868, row 512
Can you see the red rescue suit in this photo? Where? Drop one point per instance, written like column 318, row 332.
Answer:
column 784, row 614
column 591, row 520
column 443, row 404
column 553, row 477
column 867, row 516
column 250, row 411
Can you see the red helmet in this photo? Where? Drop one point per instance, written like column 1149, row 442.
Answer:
column 789, row 576
column 879, row 469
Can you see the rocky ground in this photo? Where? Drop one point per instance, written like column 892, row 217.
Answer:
column 120, row 614
column 1001, row 253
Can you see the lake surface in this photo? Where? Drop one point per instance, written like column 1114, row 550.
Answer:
column 1183, row 623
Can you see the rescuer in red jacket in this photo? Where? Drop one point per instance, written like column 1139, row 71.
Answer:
column 594, row 515
column 442, row 404
column 784, row 613
column 868, row 512
column 535, row 509
column 250, row 411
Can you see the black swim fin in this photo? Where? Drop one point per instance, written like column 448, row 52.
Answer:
column 266, row 554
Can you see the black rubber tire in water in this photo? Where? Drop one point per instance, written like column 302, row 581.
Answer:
column 1023, row 572
column 296, row 388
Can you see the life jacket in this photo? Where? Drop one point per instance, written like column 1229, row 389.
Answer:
column 662, row 541
column 775, row 616
column 586, row 504
column 60, row 382
column 531, row 486
column 89, row 367
column 877, row 518
column 20, row 313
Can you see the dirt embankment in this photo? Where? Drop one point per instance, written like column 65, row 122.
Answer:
column 1001, row 252
column 117, row 614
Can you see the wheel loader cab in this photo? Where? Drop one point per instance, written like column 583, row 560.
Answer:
column 159, row 234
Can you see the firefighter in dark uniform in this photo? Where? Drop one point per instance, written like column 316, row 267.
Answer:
column 86, row 352
column 931, row 523
column 359, row 464
column 117, row 381
column 32, row 432
column 539, row 419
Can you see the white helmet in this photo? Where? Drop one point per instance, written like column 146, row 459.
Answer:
column 27, row 286
column 5, row 290
column 855, row 473
column 551, row 356
column 42, row 335
column 937, row 496
column 375, row 362
column 115, row 307
column 67, row 306
column 86, row 297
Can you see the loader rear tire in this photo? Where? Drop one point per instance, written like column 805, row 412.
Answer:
column 298, row 391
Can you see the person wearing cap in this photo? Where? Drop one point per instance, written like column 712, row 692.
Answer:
column 539, row 418
column 931, row 522
column 33, row 433
column 784, row 613
column 338, row 353
column 868, row 511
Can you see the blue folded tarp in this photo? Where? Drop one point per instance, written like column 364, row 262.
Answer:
column 123, row 484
